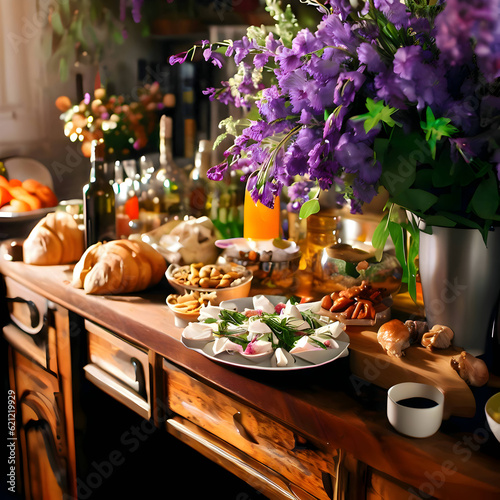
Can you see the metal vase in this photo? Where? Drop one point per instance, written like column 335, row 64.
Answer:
column 460, row 278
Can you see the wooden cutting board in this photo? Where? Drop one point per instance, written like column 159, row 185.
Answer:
column 369, row 362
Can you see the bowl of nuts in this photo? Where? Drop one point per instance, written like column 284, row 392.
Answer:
column 186, row 308
column 228, row 281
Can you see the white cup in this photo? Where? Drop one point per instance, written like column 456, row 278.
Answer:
column 411, row 421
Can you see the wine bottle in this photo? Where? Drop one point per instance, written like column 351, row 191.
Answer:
column 171, row 177
column 99, row 200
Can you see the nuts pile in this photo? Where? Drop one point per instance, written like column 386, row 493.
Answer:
column 208, row 276
column 190, row 303
column 357, row 302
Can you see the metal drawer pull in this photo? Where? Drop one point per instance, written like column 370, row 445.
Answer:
column 241, row 428
column 34, row 314
column 139, row 377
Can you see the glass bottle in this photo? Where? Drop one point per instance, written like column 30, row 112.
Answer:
column 199, row 185
column 99, row 200
column 225, row 205
column 126, row 200
column 170, row 177
column 321, row 234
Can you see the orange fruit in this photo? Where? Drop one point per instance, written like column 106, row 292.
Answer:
column 5, row 196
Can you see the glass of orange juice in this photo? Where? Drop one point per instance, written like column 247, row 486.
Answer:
column 259, row 221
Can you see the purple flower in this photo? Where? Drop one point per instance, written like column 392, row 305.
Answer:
column 242, row 48
column 357, row 157
column 136, row 10
column 348, row 84
column 394, row 10
column 178, row 58
column 408, row 61
column 288, row 60
column 332, row 31
column 326, row 66
column 305, row 43
column 369, row 56
column 217, row 173
column 272, row 106
column 341, row 8
column 470, row 27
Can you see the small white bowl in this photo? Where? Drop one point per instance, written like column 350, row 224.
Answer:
column 412, row 421
column 182, row 319
column 228, row 293
column 492, row 410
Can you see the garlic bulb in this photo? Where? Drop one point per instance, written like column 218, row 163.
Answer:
column 438, row 337
column 473, row 370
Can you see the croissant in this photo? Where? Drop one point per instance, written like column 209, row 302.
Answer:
column 56, row 239
column 118, row 266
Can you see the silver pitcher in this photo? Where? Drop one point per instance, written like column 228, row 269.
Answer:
column 460, row 278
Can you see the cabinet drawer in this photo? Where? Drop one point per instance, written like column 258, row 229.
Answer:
column 257, row 475
column 27, row 309
column 119, row 368
column 383, row 487
column 256, row 434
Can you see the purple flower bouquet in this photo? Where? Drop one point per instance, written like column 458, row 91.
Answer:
column 399, row 95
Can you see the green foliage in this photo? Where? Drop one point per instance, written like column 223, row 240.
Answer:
column 422, row 179
column 435, row 129
column 77, row 31
column 377, row 112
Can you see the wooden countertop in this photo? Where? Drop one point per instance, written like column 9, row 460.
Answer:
column 324, row 404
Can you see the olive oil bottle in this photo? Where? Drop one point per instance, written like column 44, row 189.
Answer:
column 99, row 200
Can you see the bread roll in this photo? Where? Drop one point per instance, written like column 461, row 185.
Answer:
column 118, row 266
column 56, row 239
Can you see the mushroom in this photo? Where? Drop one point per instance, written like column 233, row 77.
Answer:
column 438, row 337
column 473, row 370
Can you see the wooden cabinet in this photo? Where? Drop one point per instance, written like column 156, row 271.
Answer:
column 304, row 438
column 40, row 378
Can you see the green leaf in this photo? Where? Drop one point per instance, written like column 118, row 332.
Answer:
column 400, row 161
column 219, row 139
column 65, row 9
column 435, row 129
column 439, row 220
column 63, row 69
column 443, row 173
column 398, row 238
column 381, row 233
column 377, row 112
column 310, row 207
column 411, row 261
column 56, row 22
column 416, row 200
column 485, row 200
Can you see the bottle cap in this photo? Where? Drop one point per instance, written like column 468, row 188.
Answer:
column 166, row 125
column 98, row 151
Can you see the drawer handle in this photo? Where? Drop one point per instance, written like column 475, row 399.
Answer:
column 139, row 377
column 241, row 429
column 34, row 314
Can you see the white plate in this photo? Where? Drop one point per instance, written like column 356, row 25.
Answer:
column 25, row 216
column 22, row 168
column 239, row 361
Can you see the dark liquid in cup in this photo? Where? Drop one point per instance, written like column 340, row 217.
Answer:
column 417, row 402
